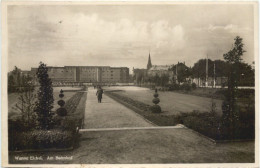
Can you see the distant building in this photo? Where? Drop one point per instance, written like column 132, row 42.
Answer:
column 219, row 81
column 87, row 74
column 140, row 75
column 159, row 70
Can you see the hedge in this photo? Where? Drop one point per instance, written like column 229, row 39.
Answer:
column 40, row 139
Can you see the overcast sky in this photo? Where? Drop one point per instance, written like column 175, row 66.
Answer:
column 122, row 35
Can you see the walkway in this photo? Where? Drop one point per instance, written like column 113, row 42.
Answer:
column 110, row 114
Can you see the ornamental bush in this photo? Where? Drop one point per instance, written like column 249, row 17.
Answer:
column 45, row 100
column 186, row 87
column 172, row 87
column 156, row 100
column 193, row 85
column 61, row 111
column 156, row 109
column 61, row 102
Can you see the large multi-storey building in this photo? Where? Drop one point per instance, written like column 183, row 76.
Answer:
column 87, row 74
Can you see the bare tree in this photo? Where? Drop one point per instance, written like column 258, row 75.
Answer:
column 26, row 105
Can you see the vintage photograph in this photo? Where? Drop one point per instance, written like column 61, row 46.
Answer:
column 130, row 83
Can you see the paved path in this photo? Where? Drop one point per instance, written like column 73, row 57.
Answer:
column 110, row 114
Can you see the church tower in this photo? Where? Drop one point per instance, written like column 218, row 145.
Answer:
column 149, row 65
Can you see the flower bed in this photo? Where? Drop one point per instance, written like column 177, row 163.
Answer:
column 22, row 137
column 73, row 102
column 76, row 108
column 42, row 139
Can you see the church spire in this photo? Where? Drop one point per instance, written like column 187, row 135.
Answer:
column 149, row 65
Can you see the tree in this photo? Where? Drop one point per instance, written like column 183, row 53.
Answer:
column 183, row 71
column 246, row 74
column 156, row 79
column 45, row 100
column 235, row 54
column 26, row 105
column 164, row 79
column 11, row 87
column 140, row 79
column 18, row 81
column 14, row 80
column 229, row 106
column 199, row 68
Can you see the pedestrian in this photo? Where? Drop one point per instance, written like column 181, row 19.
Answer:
column 99, row 94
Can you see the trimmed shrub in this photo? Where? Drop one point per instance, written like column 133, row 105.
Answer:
column 61, row 111
column 61, row 95
column 186, row 87
column 61, row 102
column 173, row 87
column 193, row 85
column 155, row 94
column 156, row 108
column 156, row 100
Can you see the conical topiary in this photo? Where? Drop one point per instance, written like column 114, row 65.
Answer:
column 45, row 100
column 61, row 111
column 156, row 108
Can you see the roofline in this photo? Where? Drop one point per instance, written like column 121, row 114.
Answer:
column 83, row 67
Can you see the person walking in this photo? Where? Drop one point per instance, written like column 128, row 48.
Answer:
column 99, row 94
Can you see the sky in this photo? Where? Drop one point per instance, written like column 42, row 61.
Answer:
column 123, row 35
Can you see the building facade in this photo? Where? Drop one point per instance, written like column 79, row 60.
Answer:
column 219, row 81
column 159, row 70
column 87, row 74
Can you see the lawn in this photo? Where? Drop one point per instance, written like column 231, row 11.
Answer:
column 170, row 102
column 13, row 99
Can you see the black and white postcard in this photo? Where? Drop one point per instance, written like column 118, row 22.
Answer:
column 130, row 84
